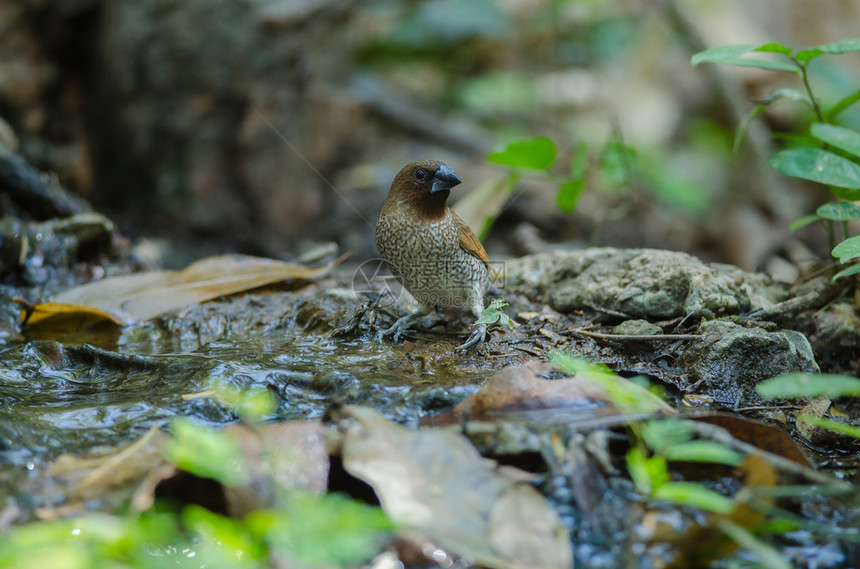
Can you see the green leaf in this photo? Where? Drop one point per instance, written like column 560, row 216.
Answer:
column 845, row 193
column 580, row 160
column 703, row 451
column 731, row 55
column 223, row 538
column 835, row 48
column 251, row 404
column 742, row 127
column 778, row 526
column 809, row 385
column 772, row 97
column 786, row 93
column 839, row 211
column 835, row 426
column 573, row 365
column 773, row 47
column 843, row 104
column 763, row 64
column 803, row 221
column 629, row 397
column 536, row 153
column 205, row 453
column 846, row 272
column 817, row 165
column 498, row 92
column 848, row 249
column 696, row 495
column 674, row 190
column 768, row 556
column 494, row 313
column 568, row 194
column 326, row 531
column 720, row 54
column 807, row 55
column 842, row 138
column 648, row 473
column 660, row 435
column 842, row 46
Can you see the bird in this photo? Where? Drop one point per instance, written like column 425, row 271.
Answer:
column 429, row 249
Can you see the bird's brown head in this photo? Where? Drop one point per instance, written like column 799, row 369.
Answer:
column 423, row 188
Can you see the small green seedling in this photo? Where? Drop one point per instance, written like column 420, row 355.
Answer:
column 494, row 314
column 829, row 154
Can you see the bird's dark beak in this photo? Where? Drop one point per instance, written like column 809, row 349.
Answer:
column 444, row 180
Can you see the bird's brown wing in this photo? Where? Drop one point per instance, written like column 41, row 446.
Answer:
column 469, row 241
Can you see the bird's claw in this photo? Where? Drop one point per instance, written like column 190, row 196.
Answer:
column 397, row 329
column 479, row 334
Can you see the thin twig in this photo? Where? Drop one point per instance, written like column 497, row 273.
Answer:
column 721, row 435
column 634, row 337
column 115, row 460
column 811, row 300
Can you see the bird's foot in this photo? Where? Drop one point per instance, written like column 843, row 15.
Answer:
column 398, row 328
column 479, row 334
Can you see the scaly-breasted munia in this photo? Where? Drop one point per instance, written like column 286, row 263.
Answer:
column 429, row 249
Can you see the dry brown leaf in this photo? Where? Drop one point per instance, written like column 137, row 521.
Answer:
column 279, row 456
column 520, row 393
column 434, row 481
column 758, row 434
column 140, row 297
column 705, row 543
column 84, row 478
column 527, row 543
column 816, row 408
column 484, row 202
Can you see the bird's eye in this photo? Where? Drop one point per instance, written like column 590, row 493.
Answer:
column 420, row 174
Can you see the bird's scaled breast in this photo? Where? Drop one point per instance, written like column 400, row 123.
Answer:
column 402, row 240
column 427, row 259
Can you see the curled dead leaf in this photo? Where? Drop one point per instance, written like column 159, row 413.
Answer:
column 435, row 482
column 119, row 301
column 521, row 393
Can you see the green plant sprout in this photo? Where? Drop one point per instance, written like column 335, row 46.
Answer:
column 809, row 385
column 494, row 314
column 617, row 164
column 654, row 442
column 833, row 155
column 305, row 530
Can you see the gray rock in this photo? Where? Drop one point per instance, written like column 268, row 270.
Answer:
column 838, row 326
column 637, row 328
column 733, row 360
column 643, row 283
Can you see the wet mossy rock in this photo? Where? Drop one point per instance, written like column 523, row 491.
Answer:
column 734, row 359
column 637, row 327
column 837, row 326
column 643, row 283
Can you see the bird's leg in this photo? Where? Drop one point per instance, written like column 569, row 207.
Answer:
column 479, row 333
column 399, row 327
column 403, row 324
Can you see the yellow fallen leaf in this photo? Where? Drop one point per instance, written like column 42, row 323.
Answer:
column 68, row 323
column 77, row 316
column 140, row 297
